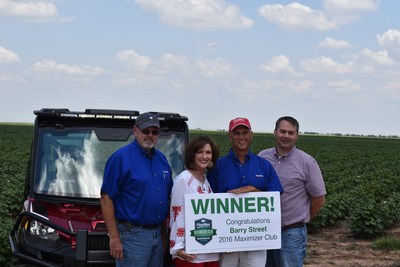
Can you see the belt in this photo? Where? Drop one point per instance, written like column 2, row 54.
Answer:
column 293, row 225
column 149, row 226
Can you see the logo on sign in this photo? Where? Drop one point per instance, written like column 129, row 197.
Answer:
column 203, row 231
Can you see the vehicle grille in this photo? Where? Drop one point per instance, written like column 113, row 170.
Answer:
column 98, row 242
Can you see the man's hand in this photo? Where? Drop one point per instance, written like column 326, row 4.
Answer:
column 245, row 189
column 116, row 248
column 107, row 207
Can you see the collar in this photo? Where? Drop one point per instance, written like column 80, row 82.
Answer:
column 234, row 156
column 285, row 155
column 143, row 151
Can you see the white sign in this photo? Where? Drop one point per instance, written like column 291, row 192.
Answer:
column 225, row 222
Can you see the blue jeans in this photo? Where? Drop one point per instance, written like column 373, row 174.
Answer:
column 142, row 247
column 293, row 249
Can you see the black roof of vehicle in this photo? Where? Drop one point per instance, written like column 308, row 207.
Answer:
column 104, row 114
column 106, row 117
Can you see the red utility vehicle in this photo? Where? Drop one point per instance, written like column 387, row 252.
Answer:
column 61, row 223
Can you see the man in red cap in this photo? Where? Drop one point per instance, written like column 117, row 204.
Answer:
column 242, row 171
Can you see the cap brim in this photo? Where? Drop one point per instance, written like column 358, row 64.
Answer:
column 241, row 124
column 147, row 125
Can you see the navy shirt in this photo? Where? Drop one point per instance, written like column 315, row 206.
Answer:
column 229, row 173
column 139, row 185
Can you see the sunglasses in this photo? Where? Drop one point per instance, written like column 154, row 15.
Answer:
column 148, row 131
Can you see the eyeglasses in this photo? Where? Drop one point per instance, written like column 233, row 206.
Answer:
column 148, row 131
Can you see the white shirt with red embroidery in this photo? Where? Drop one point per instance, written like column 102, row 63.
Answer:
column 185, row 183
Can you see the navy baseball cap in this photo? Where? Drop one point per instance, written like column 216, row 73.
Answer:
column 146, row 120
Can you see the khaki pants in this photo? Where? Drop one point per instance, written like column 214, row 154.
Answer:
column 243, row 259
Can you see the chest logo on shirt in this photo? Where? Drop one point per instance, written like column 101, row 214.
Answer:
column 259, row 176
column 203, row 231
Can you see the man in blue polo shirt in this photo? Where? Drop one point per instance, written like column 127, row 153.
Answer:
column 242, row 171
column 134, row 197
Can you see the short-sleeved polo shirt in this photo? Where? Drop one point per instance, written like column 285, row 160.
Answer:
column 301, row 178
column 139, row 185
column 229, row 173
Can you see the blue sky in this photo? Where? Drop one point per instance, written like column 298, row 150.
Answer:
column 333, row 64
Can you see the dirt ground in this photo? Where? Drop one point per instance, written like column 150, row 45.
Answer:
column 335, row 246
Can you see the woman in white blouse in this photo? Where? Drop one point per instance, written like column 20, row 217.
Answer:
column 201, row 153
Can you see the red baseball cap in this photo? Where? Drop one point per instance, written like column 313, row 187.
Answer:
column 237, row 122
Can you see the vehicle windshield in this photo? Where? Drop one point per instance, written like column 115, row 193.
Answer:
column 71, row 162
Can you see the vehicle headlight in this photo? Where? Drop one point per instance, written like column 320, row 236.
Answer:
column 41, row 230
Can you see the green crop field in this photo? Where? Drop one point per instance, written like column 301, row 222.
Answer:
column 15, row 141
column 362, row 177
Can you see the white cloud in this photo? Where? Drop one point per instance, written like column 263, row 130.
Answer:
column 32, row 10
column 212, row 46
column 346, row 11
column 7, row 56
column 172, row 71
column 133, row 60
column 334, row 44
column 350, row 6
column 29, row 10
column 280, row 88
column 296, row 16
column 391, row 36
column 198, row 15
column 301, row 17
column 172, row 62
column 300, row 86
column 325, row 65
column 50, row 66
column 279, row 63
column 391, row 41
column 214, row 68
column 380, row 57
column 344, row 86
column 157, row 70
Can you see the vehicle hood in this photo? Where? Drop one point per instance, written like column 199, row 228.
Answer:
column 71, row 216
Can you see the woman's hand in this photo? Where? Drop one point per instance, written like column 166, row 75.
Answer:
column 184, row 256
